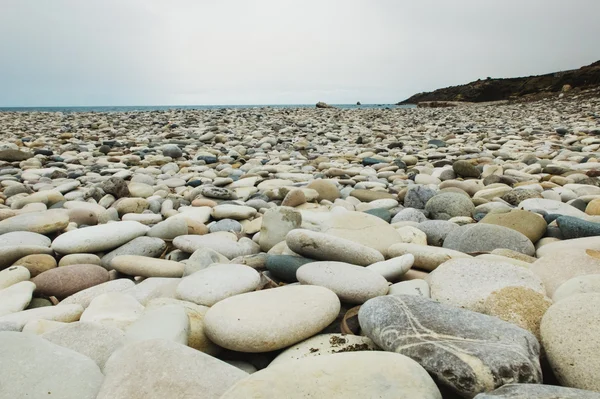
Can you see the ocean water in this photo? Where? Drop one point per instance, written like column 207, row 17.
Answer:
column 130, row 108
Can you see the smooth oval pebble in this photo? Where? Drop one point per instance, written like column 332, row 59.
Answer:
column 135, row 265
column 217, row 282
column 295, row 313
column 355, row 375
column 98, row 238
column 351, row 283
column 64, row 281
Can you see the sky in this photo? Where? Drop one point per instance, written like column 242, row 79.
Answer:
column 197, row 52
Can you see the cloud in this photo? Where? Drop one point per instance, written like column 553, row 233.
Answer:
column 120, row 52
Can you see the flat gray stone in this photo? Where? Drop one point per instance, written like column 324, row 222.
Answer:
column 466, row 351
column 483, row 237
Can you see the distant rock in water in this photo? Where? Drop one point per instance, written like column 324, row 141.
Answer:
column 493, row 89
column 321, row 104
column 358, row 103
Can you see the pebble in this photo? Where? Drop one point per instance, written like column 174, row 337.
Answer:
column 296, row 313
column 466, row 351
column 588, row 283
column 482, row 237
column 351, row 283
column 348, row 375
column 159, row 368
column 114, row 309
column 150, row 247
column 65, row 281
column 217, row 282
column 137, row 265
column 169, row 322
column 324, row 246
column 555, row 270
column 16, row 297
column 85, row 297
column 426, row 257
column 26, row 361
column 393, row 269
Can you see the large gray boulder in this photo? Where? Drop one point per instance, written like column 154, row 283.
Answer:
column 465, row 351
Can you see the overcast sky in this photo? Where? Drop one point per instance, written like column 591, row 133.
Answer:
column 176, row 52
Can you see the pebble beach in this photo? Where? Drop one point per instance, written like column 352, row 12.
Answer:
column 302, row 252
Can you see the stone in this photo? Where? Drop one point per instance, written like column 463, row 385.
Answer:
column 66, row 313
column 556, row 270
column 537, row 391
column 351, row 283
column 172, row 150
column 93, row 340
column 327, row 189
column 362, row 228
column 136, row 265
column 236, row 212
column 482, row 237
column 158, row 369
column 276, row 223
column 521, row 306
column 67, row 280
column 409, row 214
column 369, row 195
column 571, row 340
column 411, row 235
column 41, row 326
column 230, row 225
column 80, row 259
column 551, row 207
column 294, row 198
column 115, row 186
column 516, row 196
column 436, row 231
column 324, row 344
column 114, row 309
column 153, row 287
column 37, row 263
column 201, row 259
column 572, row 227
column 446, row 205
column 295, row 313
column 16, row 297
column 27, row 360
column 342, row 375
column 169, row 229
column 16, row 238
column 323, row 246
column 527, row 223
column 213, row 284
column 593, row 207
column 467, row 352
column 426, row 257
column 9, row 255
column 417, row 196
column 284, row 267
column 169, row 322
column 98, row 238
column 393, row 269
column 465, row 169
column 44, row 222
column 84, row 297
column 467, row 283
column 13, row 275
column 222, row 242
column 10, row 155
column 588, row 283
column 151, row 247
column 557, row 246
column 410, row 287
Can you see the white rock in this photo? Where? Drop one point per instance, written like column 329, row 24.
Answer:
column 393, row 269
column 114, row 309
column 168, row 322
column 136, row 265
column 294, row 314
column 33, row 367
column 209, row 286
column 236, row 212
column 13, row 275
column 589, row 283
column 86, row 296
column 98, row 238
column 16, row 297
column 411, row 287
column 351, row 283
column 426, row 257
column 153, row 287
column 66, row 313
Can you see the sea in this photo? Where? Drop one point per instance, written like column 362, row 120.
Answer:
column 133, row 108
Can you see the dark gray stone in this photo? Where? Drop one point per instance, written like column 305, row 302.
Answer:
column 284, row 267
column 465, row 169
column 380, row 213
column 115, row 186
column 418, row 195
column 484, row 237
column 446, row 205
column 465, row 351
column 217, row 192
column 14, row 155
column 572, row 227
column 436, row 231
column 537, row 391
